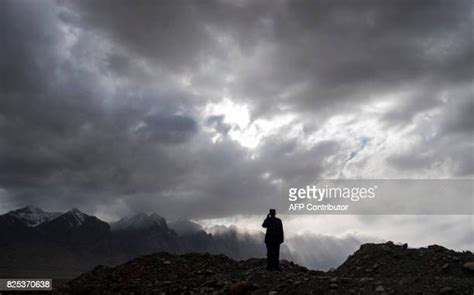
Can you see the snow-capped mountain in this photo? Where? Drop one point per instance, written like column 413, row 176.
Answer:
column 75, row 229
column 140, row 221
column 32, row 216
column 73, row 219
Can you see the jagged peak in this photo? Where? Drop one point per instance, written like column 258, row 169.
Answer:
column 32, row 216
column 72, row 218
column 77, row 215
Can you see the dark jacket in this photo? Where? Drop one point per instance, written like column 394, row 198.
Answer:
column 274, row 228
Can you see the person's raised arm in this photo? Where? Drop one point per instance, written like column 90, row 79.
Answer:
column 265, row 222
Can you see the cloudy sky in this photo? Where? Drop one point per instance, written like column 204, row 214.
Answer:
column 201, row 108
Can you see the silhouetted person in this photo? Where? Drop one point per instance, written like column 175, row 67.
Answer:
column 273, row 239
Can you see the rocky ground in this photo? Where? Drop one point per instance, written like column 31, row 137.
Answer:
column 373, row 269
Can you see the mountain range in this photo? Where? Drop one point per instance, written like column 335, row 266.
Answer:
column 36, row 243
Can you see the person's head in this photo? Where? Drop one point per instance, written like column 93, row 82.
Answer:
column 272, row 212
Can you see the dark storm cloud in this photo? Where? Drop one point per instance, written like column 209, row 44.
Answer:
column 338, row 53
column 173, row 129
column 58, row 136
column 92, row 112
column 178, row 34
column 326, row 53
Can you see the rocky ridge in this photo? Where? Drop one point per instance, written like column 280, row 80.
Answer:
column 373, row 269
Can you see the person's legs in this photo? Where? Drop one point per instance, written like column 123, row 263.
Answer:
column 277, row 257
column 273, row 250
column 269, row 256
